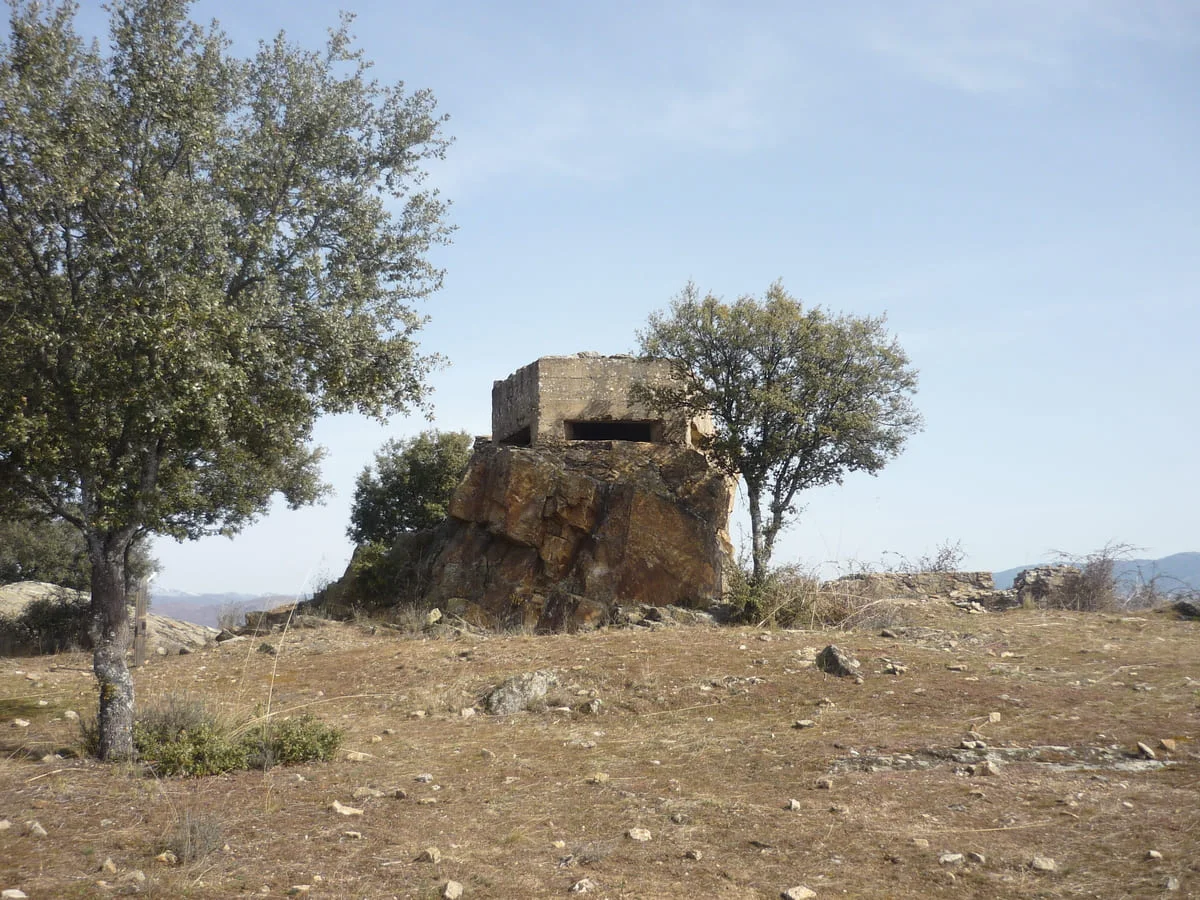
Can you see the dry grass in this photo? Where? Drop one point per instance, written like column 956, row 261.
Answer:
column 695, row 737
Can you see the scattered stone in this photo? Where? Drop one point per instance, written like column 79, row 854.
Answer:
column 986, row 767
column 433, row 617
column 891, row 667
column 343, row 810
column 452, row 890
column 639, row 834
column 36, row 829
column 5, row 824
column 417, row 714
column 804, row 723
column 951, row 859
column 389, row 731
column 920, row 843
column 1168, row 744
column 1153, row 854
column 598, row 778
column 1145, row 752
column 517, row 693
column 71, row 716
column 357, row 756
column 835, row 661
column 824, row 784
column 352, row 835
column 793, row 806
column 957, row 667
column 366, row 793
column 583, row 886
column 430, row 855
column 137, row 876
column 399, row 794
column 109, row 866
column 467, row 712
column 591, row 707
column 376, row 739
column 299, row 890
column 693, row 854
column 20, row 723
column 799, row 892
column 168, row 858
column 1170, row 883
column 887, row 633
column 994, row 717
column 427, row 801
column 977, row 858
column 1043, row 864
column 678, row 818
column 13, row 894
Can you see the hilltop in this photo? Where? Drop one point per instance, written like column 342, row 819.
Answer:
column 975, row 744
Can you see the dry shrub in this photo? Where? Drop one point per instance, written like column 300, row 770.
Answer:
column 1095, row 586
column 792, row 596
column 195, row 835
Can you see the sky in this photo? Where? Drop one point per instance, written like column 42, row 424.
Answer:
column 1015, row 184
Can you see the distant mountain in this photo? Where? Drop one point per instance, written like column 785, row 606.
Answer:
column 207, row 609
column 1179, row 570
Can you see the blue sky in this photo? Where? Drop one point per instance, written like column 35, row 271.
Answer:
column 1015, row 184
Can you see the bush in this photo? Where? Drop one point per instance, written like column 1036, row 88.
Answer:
column 194, row 836
column 47, row 625
column 1093, row 585
column 180, row 735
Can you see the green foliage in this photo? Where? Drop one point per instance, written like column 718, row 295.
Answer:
column 799, row 397
column 410, row 486
column 47, row 625
column 199, row 255
column 180, row 735
column 34, row 548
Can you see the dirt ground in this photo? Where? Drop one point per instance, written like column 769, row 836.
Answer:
column 695, row 741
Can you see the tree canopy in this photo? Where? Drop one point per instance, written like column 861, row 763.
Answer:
column 199, row 254
column 409, row 487
column 798, row 397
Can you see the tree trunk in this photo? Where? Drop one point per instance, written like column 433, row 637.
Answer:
column 110, row 636
column 758, row 557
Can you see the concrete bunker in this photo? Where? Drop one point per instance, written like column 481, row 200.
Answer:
column 586, row 397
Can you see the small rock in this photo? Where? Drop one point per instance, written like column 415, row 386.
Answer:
column 792, row 806
column 678, row 818
column 452, row 890
column 357, row 756
column 389, row 731
column 887, row 633
column 13, row 894
column 957, row 667
column 137, row 876
column 43, row 703
column 824, row 784
column 366, row 793
column 109, row 866
column 517, row 693
column 920, row 843
column 1170, row 883
column 433, row 617
column 1153, row 854
column 424, row 778
column 835, row 661
column 352, row 835
column 376, row 739
column 161, row 651
column 36, row 829
column 693, row 854
column 977, row 858
column 994, row 717
column 5, row 824
column 430, row 855
column 639, row 834
column 804, row 723
column 427, row 801
column 986, row 767
column 1145, row 752
column 1043, row 864
column 417, row 714
column 20, row 723
column 1168, row 744
column 799, row 892
column 467, row 712
column 71, row 716
column 299, row 890
column 343, row 810
column 598, row 778
column 583, row 886
column 167, row 857
column 951, row 859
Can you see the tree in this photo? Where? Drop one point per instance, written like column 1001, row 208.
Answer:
column 199, row 254
column 34, row 548
column 409, row 487
column 798, row 397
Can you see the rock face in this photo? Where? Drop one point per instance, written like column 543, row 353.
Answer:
column 554, row 536
column 1040, row 585
column 919, row 584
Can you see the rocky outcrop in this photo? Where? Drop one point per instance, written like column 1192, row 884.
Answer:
column 555, row 537
column 917, row 585
column 1043, row 585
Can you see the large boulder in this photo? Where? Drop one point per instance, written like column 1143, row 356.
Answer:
column 555, row 537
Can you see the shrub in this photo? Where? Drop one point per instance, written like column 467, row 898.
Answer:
column 1093, row 586
column 194, row 836
column 180, row 735
column 47, row 625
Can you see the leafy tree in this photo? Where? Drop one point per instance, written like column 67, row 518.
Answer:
column 798, row 397
column 33, row 548
column 199, row 255
column 409, row 487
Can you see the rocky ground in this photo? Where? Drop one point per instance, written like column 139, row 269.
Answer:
column 1022, row 753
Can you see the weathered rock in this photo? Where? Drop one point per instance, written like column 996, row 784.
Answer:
column 13, row 894
column 341, row 809
column 430, row 855
column 639, row 834
column 583, row 886
column 835, row 661
column 915, row 585
column 452, row 890
column 799, row 892
column 1044, row 585
column 517, row 693
column 1043, row 864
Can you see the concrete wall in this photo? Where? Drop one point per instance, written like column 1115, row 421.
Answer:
column 554, row 390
